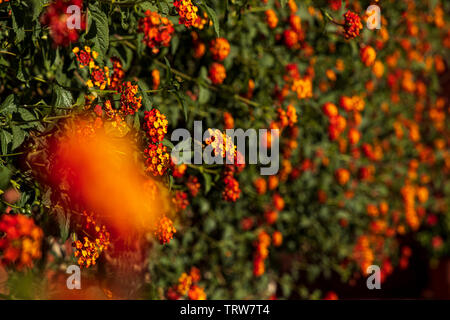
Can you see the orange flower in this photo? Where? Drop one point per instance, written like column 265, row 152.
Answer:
column 384, row 208
column 330, row 109
column 85, row 57
column 258, row 267
column 273, row 182
column 178, row 170
column 292, row 6
column 130, row 103
column 291, row 113
column 196, row 293
column 260, row 185
column 157, row 159
column 217, row 73
column 278, row 202
column 271, row 18
column 231, row 191
column 352, row 25
column 22, row 241
column 157, row 30
column 180, row 200
column 303, row 87
column 184, row 283
column 290, row 38
column 155, row 79
column 195, row 274
column 228, row 120
column 187, row 12
column 295, row 23
column 372, row 210
column 118, row 74
column 165, row 230
column 199, row 49
column 368, row 55
column 89, row 250
column 155, row 125
column 219, row 48
column 277, row 238
column 271, row 216
column 422, row 194
column 378, row 69
column 342, row 175
column 99, row 77
column 353, row 136
column 193, row 185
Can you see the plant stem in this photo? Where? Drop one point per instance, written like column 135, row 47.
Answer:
column 12, row 154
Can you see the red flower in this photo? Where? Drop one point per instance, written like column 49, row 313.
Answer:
column 217, row 73
column 157, row 30
column 55, row 17
column 335, row 4
column 352, row 25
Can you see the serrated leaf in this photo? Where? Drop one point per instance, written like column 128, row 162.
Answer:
column 148, row 6
column 8, row 105
column 5, row 139
column 212, row 15
column 26, row 115
column 100, row 24
column 17, row 24
column 137, row 123
column 18, row 136
column 64, row 98
column 37, row 8
column 146, row 101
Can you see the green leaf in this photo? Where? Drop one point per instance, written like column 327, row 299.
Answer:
column 168, row 143
column 5, row 175
column 20, row 74
column 64, row 98
column 203, row 95
column 170, row 182
column 26, row 115
column 182, row 104
column 148, row 6
column 37, row 8
column 64, row 224
column 146, row 101
column 169, row 70
column 212, row 15
column 100, row 23
column 208, row 182
column 163, row 7
column 8, row 105
column 18, row 136
column 5, row 139
column 137, row 123
column 17, row 23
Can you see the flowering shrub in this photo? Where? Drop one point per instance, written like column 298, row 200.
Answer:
column 86, row 122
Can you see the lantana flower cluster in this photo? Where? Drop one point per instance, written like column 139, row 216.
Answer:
column 96, row 241
column 56, row 18
column 20, row 241
column 157, row 30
